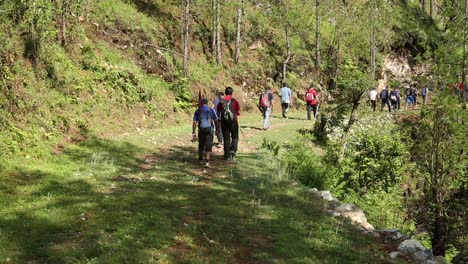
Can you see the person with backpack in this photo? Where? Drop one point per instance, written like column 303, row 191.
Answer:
column 410, row 97
column 373, row 97
column 312, row 102
column 265, row 104
column 285, row 99
column 219, row 133
column 424, row 93
column 206, row 120
column 228, row 110
column 385, row 100
column 394, row 99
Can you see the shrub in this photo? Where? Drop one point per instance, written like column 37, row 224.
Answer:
column 370, row 160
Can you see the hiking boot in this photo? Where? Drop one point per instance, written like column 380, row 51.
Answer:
column 232, row 155
column 207, row 165
column 200, row 162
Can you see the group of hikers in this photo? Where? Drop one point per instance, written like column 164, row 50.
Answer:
column 392, row 99
column 221, row 119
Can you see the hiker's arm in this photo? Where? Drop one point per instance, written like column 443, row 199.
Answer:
column 237, row 108
column 194, row 129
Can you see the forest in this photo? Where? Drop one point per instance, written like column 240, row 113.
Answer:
column 96, row 106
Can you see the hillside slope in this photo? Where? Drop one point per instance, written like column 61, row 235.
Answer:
column 141, row 198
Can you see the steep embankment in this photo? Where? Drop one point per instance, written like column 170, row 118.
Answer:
column 141, row 198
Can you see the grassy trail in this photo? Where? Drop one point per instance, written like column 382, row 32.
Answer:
column 142, row 198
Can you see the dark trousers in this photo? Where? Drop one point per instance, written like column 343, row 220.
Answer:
column 219, row 135
column 230, row 136
column 386, row 102
column 311, row 108
column 205, row 143
column 284, row 108
column 373, row 104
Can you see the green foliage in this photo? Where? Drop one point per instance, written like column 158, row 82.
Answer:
column 307, row 166
column 271, row 146
column 372, row 159
column 439, row 202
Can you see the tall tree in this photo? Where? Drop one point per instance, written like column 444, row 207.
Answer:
column 240, row 9
column 218, row 32
column 288, row 41
column 317, row 36
column 186, row 35
column 213, row 26
column 441, row 157
column 431, row 8
column 465, row 29
column 372, row 39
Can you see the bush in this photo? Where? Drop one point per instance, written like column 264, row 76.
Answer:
column 307, row 166
column 372, row 159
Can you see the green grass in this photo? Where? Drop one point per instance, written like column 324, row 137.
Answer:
column 140, row 198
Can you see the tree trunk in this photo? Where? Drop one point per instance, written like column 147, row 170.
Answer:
column 440, row 233
column 431, row 8
column 372, row 42
column 317, row 36
column 238, row 30
column 213, row 43
column 465, row 48
column 186, row 35
column 423, row 4
column 288, row 43
column 63, row 21
column 218, row 33
column 288, row 52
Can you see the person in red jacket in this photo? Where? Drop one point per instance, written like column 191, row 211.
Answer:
column 312, row 102
column 228, row 109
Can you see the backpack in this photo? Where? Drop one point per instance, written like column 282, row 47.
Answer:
column 264, row 100
column 424, row 91
column 310, row 96
column 205, row 120
column 227, row 114
column 384, row 94
column 393, row 96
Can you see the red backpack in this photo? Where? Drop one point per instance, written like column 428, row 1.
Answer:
column 310, row 96
column 264, row 102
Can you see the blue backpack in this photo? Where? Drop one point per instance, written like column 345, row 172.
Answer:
column 205, row 120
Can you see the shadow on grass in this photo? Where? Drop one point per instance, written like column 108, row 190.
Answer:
column 131, row 206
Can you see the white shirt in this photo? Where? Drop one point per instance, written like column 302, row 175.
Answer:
column 373, row 95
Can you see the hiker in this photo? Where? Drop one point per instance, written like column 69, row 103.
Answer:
column 394, row 99
column 219, row 132
column 286, row 99
column 312, row 102
column 424, row 93
column 265, row 104
column 461, row 88
column 206, row 120
column 385, row 100
column 410, row 97
column 373, row 97
column 228, row 110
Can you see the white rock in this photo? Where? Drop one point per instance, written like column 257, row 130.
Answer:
column 394, row 254
column 313, row 190
column 346, row 208
column 410, row 246
column 326, row 195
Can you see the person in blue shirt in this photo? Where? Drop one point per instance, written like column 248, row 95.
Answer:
column 206, row 120
column 286, row 99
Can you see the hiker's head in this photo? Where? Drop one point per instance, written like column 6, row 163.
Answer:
column 220, row 94
column 229, row 90
column 204, row 101
column 284, row 84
